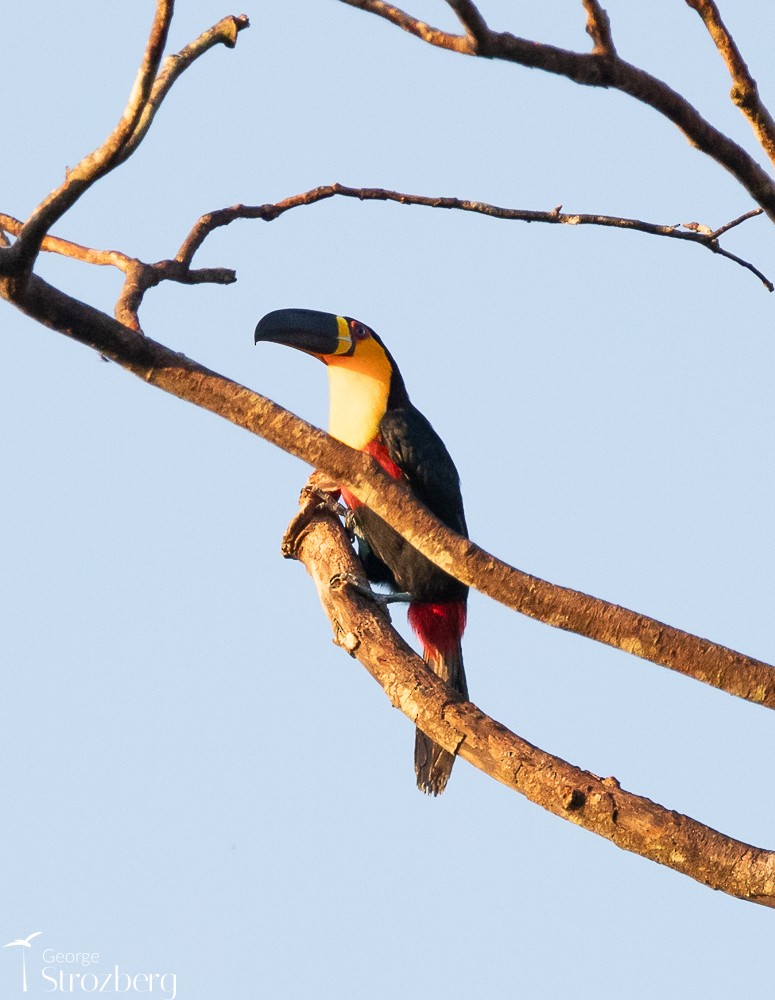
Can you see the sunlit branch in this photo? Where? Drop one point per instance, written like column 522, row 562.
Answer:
column 66, row 248
column 599, row 28
column 147, row 94
column 101, row 160
column 601, row 805
column 434, row 36
column 469, row 16
column 223, row 33
column 140, row 276
column 745, row 92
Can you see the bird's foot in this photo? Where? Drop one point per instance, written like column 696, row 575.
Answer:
column 326, row 496
column 327, row 501
column 339, row 580
column 319, row 494
column 383, row 600
column 402, row 597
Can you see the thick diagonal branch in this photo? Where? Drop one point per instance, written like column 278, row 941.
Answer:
column 630, row 821
column 557, row 606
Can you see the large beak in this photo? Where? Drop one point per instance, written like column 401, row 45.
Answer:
column 318, row 333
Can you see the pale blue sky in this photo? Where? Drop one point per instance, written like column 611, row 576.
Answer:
column 195, row 779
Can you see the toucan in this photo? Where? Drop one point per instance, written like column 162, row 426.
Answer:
column 370, row 410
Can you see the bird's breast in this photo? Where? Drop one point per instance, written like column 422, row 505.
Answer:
column 376, row 448
column 358, row 400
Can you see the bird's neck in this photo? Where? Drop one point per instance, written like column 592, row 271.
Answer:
column 359, row 389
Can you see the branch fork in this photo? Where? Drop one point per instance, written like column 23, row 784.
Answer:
column 603, row 67
column 600, row 805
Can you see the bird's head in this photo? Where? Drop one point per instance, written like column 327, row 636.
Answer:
column 336, row 340
column 363, row 379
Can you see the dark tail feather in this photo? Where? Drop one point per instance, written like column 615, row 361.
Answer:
column 432, row 763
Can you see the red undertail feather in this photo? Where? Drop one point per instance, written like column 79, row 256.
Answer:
column 439, row 626
column 440, row 629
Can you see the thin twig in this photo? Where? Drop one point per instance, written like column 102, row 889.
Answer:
column 66, row 248
column 746, row 264
column 225, row 216
column 147, row 95
column 475, row 25
column 745, row 92
column 599, row 29
column 588, row 69
column 223, row 33
column 103, row 159
column 736, row 222
column 433, row 36
column 140, row 276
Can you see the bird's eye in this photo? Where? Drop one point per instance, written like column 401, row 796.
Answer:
column 359, row 331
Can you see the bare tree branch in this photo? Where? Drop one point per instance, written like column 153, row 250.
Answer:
column 560, row 607
column 631, row 822
column 599, row 29
column 691, row 233
column 66, row 248
column 434, row 36
column 735, row 222
column 745, row 92
column 147, row 94
column 469, row 16
column 99, row 162
column 223, row 33
column 599, row 69
column 139, row 275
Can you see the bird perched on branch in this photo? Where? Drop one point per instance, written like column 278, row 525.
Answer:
column 370, row 410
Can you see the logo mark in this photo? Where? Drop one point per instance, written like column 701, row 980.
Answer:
column 23, row 943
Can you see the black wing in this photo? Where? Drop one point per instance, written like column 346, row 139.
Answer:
column 420, row 453
column 422, row 456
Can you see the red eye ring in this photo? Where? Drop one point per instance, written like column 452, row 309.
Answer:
column 359, row 331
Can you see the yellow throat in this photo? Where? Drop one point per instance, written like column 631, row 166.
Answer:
column 359, row 385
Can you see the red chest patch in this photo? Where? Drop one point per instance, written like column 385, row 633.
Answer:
column 376, row 449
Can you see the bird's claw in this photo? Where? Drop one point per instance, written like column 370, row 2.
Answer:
column 383, row 600
column 319, row 494
column 327, row 501
column 339, row 580
column 402, row 597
